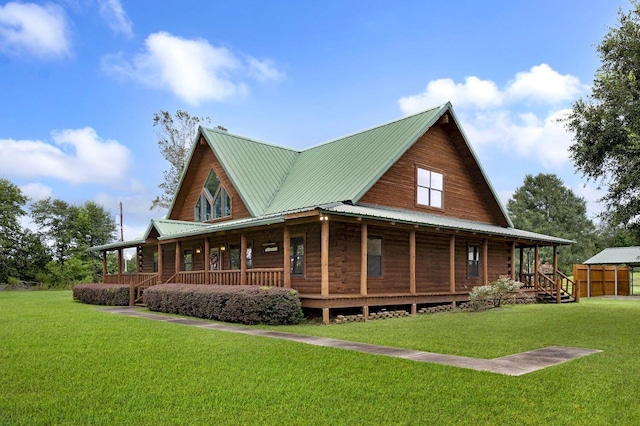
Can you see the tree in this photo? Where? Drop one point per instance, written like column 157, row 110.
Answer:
column 11, row 209
column 544, row 205
column 606, row 125
column 71, row 230
column 176, row 137
column 22, row 254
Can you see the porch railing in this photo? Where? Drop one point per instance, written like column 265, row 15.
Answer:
column 272, row 277
column 128, row 278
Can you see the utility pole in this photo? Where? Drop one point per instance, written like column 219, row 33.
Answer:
column 121, row 226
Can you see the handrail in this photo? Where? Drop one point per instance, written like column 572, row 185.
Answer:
column 138, row 289
column 564, row 283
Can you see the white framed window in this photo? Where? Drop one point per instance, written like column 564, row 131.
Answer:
column 214, row 201
column 473, row 261
column 430, row 188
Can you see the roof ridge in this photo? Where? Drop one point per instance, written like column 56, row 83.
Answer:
column 374, row 127
column 272, row 145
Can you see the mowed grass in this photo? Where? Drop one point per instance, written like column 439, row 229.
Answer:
column 62, row 362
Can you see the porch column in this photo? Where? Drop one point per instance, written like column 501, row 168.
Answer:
column 363, row 259
column 536, row 266
column 159, row 279
column 138, row 257
column 452, row 263
column 412, row 268
column 364, row 233
column 513, row 260
column 521, row 264
column 104, row 265
column 119, row 262
column 243, row 259
column 177, row 256
column 324, row 265
column 485, row 261
column 286, row 248
column 207, row 265
column 555, row 275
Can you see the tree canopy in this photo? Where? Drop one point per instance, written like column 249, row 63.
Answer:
column 544, row 205
column 175, row 138
column 606, row 124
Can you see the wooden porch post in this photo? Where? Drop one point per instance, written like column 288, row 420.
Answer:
column 452, row 263
column 363, row 259
column 119, row 263
column 513, row 260
column 485, row 261
column 555, row 274
column 521, row 264
column 104, row 265
column 160, row 266
column 363, row 266
column 536, row 266
column 286, row 248
column 207, row 265
column 177, row 256
column 364, row 233
column 412, row 268
column 324, row 265
column 243, row 259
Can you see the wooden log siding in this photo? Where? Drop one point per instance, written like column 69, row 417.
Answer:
column 432, row 263
column 465, row 193
column 196, row 176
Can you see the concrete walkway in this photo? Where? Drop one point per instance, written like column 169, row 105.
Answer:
column 512, row 365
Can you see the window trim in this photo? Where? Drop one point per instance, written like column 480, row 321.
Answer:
column 185, row 253
column 206, row 199
column 381, row 255
column 304, row 255
column 430, row 170
column 476, row 261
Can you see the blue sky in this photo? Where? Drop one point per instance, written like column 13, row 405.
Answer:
column 80, row 81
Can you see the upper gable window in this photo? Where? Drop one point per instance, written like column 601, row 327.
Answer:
column 214, row 201
column 430, row 187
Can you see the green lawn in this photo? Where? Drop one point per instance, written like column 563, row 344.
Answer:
column 63, row 362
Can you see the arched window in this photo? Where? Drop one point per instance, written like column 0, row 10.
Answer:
column 214, row 201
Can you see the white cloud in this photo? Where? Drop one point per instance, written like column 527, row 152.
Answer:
column 472, row 93
column 116, row 17
column 264, row 70
column 77, row 156
column 193, row 70
column 527, row 135
column 504, row 118
column 543, row 84
column 39, row 30
column 36, row 191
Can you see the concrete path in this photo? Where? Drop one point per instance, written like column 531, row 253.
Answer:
column 512, row 365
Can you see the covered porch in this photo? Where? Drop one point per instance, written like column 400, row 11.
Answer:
column 326, row 255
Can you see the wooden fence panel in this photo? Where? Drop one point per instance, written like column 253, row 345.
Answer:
column 602, row 281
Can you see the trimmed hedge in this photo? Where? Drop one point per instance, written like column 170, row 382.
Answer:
column 239, row 304
column 102, row 294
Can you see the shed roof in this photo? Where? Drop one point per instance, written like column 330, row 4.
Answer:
column 616, row 256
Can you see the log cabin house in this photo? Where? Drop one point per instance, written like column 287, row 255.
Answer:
column 400, row 214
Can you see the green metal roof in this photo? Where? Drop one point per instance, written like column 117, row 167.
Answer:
column 256, row 169
column 616, row 256
column 443, row 222
column 345, row 169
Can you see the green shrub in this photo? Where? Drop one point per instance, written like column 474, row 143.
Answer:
column 102, row 294
column 494, row 294
column 238, row 304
